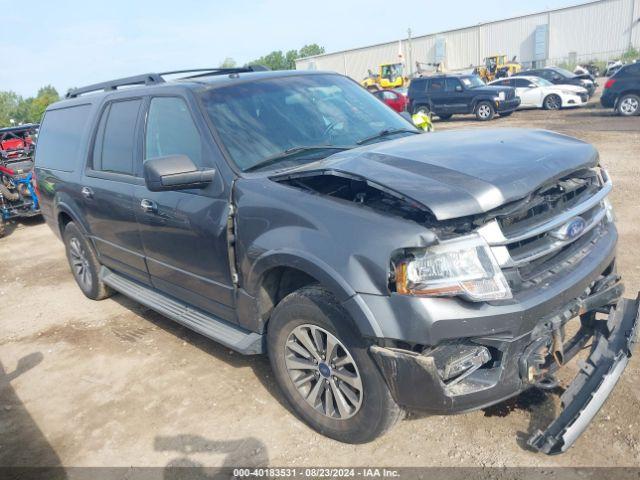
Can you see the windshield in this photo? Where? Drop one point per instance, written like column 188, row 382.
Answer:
column 260, row 120
column 540, row 82
column 563, row 72
column 473, row 81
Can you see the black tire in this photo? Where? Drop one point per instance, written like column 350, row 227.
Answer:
column 423, row 109
column 505, row 114
column 444, row 116
column 628, row 105
column 76, row 243
column 552, row 102
column 316, row 307
column 485, row 111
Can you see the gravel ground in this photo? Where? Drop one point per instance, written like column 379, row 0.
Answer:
column 111, row 383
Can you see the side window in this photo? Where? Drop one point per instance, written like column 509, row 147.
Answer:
column 114, row 147
column 387, row 95
column 452, row 83
column 520, row 82
column 436, row 85
column 171, row 130
column 60, row 137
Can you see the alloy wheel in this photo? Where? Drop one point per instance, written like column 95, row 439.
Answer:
column 484, row 111
column 629, row 106
column 552, row 102
column 80, row 263
column 323, row 372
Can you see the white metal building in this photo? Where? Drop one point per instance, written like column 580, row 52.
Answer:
column 598, row 30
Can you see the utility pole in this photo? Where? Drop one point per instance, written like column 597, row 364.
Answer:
column 410, row 53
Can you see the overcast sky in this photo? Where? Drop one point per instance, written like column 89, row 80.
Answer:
column 73, row 43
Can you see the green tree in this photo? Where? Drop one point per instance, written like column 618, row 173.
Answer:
column 9, row 102
column 277, row 60
column 228, row 63
column 46, row 96
column 310, row 50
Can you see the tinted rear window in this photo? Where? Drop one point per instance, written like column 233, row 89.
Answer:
column 60, row 138
column 114, row 146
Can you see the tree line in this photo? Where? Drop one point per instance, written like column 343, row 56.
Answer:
column 279, row 60
column 15, row 109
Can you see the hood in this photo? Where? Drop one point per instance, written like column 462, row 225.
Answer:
column 492, row 89
column 464, row 172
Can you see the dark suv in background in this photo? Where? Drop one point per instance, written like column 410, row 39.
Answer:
column 560, row 76
column 292, row 213
column 622, row 91
column 446, row 95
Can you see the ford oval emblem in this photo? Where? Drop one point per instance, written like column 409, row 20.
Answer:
column 570, row 230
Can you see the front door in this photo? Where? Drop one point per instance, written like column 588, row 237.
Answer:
column 107, row 190
column 184, row 233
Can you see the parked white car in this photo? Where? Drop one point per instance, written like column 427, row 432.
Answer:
column 536, row 92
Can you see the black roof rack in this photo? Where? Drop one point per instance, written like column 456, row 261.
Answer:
column 157, row 78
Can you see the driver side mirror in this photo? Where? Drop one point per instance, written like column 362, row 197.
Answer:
column 175, row 172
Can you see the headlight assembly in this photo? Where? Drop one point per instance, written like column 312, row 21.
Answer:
column 501, row 96
column 462, row 267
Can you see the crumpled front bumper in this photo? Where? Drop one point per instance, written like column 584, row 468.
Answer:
column 415, row 382
column 612, row 347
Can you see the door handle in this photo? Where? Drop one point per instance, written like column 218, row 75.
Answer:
column 148, row 206
column 86, row 192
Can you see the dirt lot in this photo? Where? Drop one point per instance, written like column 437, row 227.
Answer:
column 86, row 383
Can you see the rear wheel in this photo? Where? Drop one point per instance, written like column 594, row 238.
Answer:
column 552, row 102
column 324, row 369
column 84, row 263
column 629, row 105
column 485, row 111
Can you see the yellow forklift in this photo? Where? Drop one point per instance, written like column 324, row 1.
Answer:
column 389, row 75
column 497, row 66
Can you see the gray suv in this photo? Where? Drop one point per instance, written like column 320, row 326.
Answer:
column 381, row 269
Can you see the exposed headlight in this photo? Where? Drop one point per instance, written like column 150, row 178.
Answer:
column 501, row 96
column 611, row 216
column 462, row 267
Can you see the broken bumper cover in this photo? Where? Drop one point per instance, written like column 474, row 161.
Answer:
column 612, row 348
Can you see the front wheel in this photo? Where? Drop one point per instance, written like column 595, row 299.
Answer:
column 485, row 111
column 629, row 105
column 552, row 102
column 424, row 110
column 325, row 371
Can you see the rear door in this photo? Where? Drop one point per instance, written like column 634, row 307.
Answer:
column 107, row 188
column 184, row 232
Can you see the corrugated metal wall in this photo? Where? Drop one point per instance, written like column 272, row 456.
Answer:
column 599, row 30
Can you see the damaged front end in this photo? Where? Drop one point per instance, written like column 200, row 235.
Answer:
column 464, row 375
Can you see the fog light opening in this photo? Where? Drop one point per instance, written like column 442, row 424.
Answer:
column 455, row 362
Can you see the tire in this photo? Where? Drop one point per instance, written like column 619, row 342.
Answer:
column 423, row 109
column 84, row 264
column 628, row 105
column 444, row 116
column 552, row 102
column 485, row 111
column 369, row 411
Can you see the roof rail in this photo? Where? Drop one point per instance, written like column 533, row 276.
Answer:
column 145, row 79
column 156, row 78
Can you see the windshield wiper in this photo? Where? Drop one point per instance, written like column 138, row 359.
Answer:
column 290, row 152
column 385, row 133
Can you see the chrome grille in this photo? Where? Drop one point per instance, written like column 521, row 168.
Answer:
column 539, row 230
